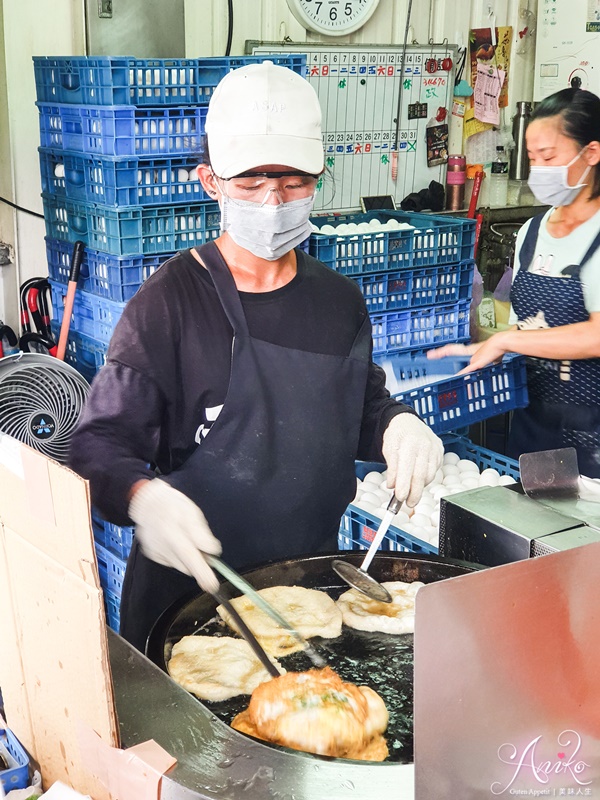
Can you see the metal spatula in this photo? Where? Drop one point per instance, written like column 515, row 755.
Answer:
column 554, row 475
column 551, row 474
column 358, row 577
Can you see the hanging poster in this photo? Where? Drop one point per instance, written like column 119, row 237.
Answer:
column 437, row 144
column 491, row 51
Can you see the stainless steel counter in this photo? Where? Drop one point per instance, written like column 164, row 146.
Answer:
column 215, row 762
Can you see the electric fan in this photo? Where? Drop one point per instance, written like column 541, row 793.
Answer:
column 41, row 399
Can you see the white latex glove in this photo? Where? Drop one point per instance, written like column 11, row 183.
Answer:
column 173, row 531
column 413, row 454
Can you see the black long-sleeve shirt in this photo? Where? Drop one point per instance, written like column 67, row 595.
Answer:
column 168, row 367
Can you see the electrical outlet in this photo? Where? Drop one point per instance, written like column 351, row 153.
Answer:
column 105, row 9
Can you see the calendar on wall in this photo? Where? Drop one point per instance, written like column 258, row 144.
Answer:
column 358, row 88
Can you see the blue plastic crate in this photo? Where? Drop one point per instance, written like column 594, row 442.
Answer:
column 417, row 286
column 116, row 573
column 110, row 181
column 118, row 539
column 17, row 776
column 358, row 528
column 124, row 80
column 102, row 560
column 112, row 607
column 84, row 353
column 92, row 316
column 51, row 125
column 111, row 569
column 98, row 528
column 114, row 277
column 122, row 130
column 131, row 230
column 448, row 401
column 431, row 240
column 418, row 328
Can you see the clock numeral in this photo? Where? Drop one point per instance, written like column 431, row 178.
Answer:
column 318, row 5
column 333, row 13
column 348, row 9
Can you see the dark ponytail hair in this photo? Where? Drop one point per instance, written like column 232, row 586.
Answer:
column 580, row 118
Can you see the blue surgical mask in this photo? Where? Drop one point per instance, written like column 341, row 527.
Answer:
column 550, row 185
column 268, row 231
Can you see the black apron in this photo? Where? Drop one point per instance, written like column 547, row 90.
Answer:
column 563, row 408
column 275, row 472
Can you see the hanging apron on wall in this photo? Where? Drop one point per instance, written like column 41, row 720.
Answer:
column 275, row 472
column 563, row 406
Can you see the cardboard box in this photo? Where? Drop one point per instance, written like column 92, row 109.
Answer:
column 54, row 669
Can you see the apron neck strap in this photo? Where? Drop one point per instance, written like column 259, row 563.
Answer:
column 527, row 250
column 225, row 286
column 591, row 250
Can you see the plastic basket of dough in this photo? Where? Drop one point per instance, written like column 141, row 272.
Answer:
column 466, row 466
column 357, row 244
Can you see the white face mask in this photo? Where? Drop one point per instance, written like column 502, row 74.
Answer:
column 550, row 185
column 266, row 230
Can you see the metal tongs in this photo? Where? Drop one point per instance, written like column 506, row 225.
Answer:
column 246, row 588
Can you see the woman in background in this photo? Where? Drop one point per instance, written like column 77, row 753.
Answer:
column 555, row 294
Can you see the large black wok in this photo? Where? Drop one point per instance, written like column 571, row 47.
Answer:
column 381, row 661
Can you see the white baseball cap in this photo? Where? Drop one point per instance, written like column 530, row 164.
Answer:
column 264, row 114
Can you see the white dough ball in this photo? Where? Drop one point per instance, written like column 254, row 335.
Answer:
column 489, row 477
column 341, row 229
column 434, row 537
column 373, row 477
column 383, row 494
column 364, row 227
column 450, row 469
column 439, row 492
column 435, row 518
column 400, row 519
column 371, row 499
column 193, row 175
column 451, row 458
column 427, row 532
column 465, row 465
column 439, row 476
column 328, row 230
column 182, row 175
column 374, row 223
column 424, row 507
column 419, row 520
column 59, row 171
column 451, row 480
column 470, row 483
column 506, row 480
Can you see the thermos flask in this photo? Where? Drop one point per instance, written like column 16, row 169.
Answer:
column 455, row 183
column 519, row 163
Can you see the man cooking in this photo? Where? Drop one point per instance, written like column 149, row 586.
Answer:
column 241, row 372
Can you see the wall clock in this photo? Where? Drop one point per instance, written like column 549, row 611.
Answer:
column 332, row 17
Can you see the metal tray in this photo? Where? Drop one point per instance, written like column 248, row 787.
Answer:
column 382, row 661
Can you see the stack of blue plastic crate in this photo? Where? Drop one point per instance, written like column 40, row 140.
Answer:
column 120, row 140
column 417, row 280
column 418, row 283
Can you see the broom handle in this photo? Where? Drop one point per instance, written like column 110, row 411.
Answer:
column 76, row 260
